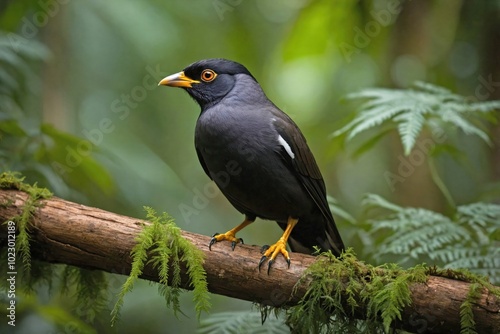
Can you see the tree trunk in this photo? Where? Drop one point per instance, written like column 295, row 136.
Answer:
column 78, row 235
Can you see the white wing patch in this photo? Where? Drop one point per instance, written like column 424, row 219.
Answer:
column 287, row 147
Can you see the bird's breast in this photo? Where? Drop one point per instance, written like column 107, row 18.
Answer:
column 244, row 161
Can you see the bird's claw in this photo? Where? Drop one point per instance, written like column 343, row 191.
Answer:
column 216, row 237
column 262, row 259
column 212, row 241
column 234, row 242
column 272, row 252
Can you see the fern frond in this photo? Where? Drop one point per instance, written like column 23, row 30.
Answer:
column 373, row 117
column 412, row 110
column 484, row 107
column 467, row 322
column 162, row 242
column 467, row 239
column 390, row 300
column 374, row 201
column 456, row 119
column 237, row 322
column 91, row 293
column 409, row 127
column 483, row 214
column 384, row 290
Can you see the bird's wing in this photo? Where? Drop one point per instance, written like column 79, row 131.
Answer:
column 202, row 163
column 305, row 167
column 303, row 163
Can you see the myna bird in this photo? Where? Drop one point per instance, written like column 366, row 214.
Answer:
column 258, row 158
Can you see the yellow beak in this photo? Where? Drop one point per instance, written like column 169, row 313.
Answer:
column 178, row 80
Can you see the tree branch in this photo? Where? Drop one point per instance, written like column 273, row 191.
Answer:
column 78, row 235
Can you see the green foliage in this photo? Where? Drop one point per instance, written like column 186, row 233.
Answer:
column 290, row 52
column 91, row 287
column 337, row 286
column 478, row 285
column 237, row 322
column 62, row 318
column 162, row 242
column 467, row 239
column 16, row 68
column 90, row 291
column 467, row 322
column 410, row 110
column 28, row 145
column 338, row 211
column 9, row 180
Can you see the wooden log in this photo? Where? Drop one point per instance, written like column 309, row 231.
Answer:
column 78, row 235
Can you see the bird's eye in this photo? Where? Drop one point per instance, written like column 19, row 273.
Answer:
column 208, row 75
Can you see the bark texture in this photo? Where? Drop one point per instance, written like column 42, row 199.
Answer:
column 78, row 235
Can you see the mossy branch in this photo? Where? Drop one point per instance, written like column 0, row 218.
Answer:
column 418, row 300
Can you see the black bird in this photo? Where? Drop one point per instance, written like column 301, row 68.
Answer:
column 258, row 158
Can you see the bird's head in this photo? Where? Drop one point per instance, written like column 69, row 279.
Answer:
column 207, row 81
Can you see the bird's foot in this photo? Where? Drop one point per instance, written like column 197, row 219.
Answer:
column 229, row 236
column 271, row 252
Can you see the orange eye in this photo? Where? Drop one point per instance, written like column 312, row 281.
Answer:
column 208, row 75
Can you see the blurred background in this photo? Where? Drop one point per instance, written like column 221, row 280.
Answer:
column 82, row 114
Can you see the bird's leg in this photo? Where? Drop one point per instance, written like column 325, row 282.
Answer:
column 231, row 234
column 272, row 251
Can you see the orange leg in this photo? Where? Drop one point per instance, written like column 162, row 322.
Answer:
column 280, row 246
column 230, row 235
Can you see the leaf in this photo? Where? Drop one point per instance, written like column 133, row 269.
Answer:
column 162, row 243
column 72, row 157
column 410, row 125
column 467, row 238
column 13, row 128
column 236, row 322
column 466, row 126
column 411, row 110
column 338, row 211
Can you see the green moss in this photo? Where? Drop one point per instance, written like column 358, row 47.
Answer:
column 13, row 180
column 478, row 285
column 162, row 243
column 340, row 287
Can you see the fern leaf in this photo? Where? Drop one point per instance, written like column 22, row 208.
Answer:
column 464, row 240
column 237, row 322
column 373, row 117
column 484, row 107
column 466, row 126
column 480, row 213
column 409, row 127
column 412, row 110
column 373, row 200
column 467, row 322
column 163, row 241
